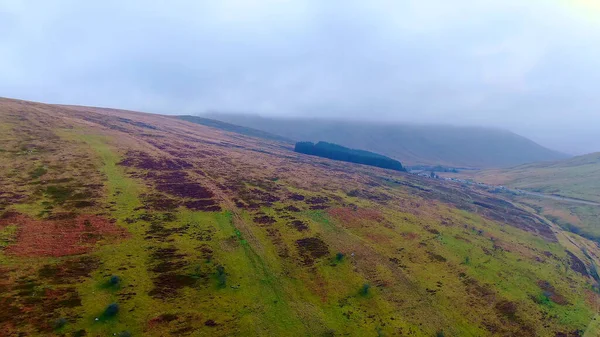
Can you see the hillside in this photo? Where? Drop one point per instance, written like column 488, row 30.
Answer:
column 577, row 178
column 122, row 223
column 472, row 147
column 234, row 128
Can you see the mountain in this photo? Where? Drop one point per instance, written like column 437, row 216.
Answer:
column 577, row 177
column 115, row 222
column 469, row 147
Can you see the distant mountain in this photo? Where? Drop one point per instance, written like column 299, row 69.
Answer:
column 472, row 147
column 577, row 177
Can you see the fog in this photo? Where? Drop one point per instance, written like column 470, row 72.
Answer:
column 532, row 66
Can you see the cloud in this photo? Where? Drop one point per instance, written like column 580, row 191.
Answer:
column 529, row 66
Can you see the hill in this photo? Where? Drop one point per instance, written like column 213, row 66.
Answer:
column 116, row 222
column 472, row 147
column 234, row 128
column 577, row 178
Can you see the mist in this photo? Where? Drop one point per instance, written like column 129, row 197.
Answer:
column 531, row 68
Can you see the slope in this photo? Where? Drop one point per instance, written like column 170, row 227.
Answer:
column 234, row 128
column 411, row 144
column 577, row 178
column 115, row 222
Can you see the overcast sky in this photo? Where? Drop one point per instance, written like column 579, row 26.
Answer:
column 531, row 66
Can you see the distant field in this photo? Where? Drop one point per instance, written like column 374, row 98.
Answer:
column 577, row 178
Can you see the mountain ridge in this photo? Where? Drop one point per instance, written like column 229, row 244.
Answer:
column 413, row 144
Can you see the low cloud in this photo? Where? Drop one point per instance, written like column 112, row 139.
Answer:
column 528, row 66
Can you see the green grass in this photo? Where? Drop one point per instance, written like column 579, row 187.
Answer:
column 38, row 172
column 7, row 236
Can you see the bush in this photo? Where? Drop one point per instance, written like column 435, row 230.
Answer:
column 112, row 310
column 365, row 289
column 114, row 280
column 339, row 257
column 59, row 323
column 439, row 334
column 221, row 276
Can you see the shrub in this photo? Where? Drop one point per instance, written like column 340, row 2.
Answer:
column 59, row 323
column 114, row 280
column 221, row 276
column 112, row 310
column 38, row 172
column 365, row 289
column 339, row 257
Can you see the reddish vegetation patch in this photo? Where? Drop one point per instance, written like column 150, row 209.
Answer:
column 207, row 205
column 143, row 161
column 507, row 309
column 70, row 271
column 349, row 216
column 575, row 333
column 167, row 177
column 255, row 198
column 370, row 195
column 410, row 235
column 9, row 198
column 162, row 319
column 59, row 237
column 299, row 225
column 159, row 202
column 551, row 293
column 317, row 200
column 318, row 207
column 296, row 197
column 292, row 208
column 264, row 220
column 311, row 249
column 577, row 265
column 190, row 190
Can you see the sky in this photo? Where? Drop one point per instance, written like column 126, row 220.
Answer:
column 530, row 66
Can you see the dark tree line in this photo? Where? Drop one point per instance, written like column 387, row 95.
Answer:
column 337, row 152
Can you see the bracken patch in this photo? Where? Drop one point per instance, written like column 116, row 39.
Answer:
column 61, row 236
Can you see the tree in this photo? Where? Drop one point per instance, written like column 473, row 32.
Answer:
column 337, row 152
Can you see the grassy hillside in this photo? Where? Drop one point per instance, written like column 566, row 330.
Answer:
column 577, row 178
column 122, row 223
column 411, row 144
column 213, row 123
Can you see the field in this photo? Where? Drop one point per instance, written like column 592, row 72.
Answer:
column 577, row 178
column 122, row 223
